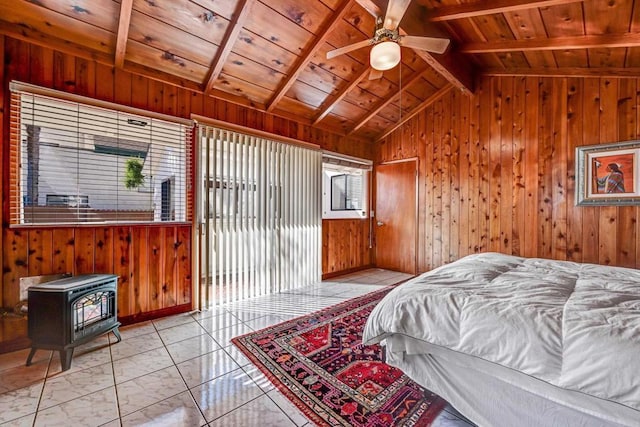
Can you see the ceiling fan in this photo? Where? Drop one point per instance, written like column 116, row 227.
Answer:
column 386, row 41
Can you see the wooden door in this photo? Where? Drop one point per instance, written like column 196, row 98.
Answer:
column 396, row 216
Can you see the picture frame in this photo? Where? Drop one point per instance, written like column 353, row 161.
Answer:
column 608, row 174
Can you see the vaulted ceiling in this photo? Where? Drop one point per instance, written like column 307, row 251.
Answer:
column 271, row 54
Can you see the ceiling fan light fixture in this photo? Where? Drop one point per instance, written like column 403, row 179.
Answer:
column 385, row 55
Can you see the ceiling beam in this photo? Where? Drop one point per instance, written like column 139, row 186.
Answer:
column 126, row 7
column 332, row 102
column 489, row 7
column 565, row 72
column 228, row 41
column 433, row 98
column 452, row 65
column 556, row 43
column 381, row 105
column 304, row 60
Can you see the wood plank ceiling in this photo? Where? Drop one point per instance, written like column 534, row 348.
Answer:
column 271, row 54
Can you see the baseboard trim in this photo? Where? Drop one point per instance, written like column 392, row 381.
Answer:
column 156, row 314
column 326, row 276
column 14, row 345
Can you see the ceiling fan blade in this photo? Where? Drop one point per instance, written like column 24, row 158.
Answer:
column 395, row 12
column 430, row 44
column 375, row 74
column 335, row 52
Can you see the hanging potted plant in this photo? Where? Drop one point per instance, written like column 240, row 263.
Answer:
column 133, row 177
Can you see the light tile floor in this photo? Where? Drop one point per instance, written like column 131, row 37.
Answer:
column 176, row 371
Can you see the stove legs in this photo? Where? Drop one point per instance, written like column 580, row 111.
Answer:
column 31, row 354
column 116, row 332
column 65, row 357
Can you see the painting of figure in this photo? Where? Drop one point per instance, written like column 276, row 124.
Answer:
column 613, row 174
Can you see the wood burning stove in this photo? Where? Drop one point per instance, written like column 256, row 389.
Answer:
column 68, row 312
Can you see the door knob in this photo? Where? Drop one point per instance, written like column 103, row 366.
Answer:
column 380, row 223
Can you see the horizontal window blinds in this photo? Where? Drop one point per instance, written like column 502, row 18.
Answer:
column 77, row 163
column 260, row 210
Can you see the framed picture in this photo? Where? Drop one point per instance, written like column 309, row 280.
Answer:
column 608, row 174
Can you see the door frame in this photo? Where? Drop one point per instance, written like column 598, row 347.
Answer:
column 416, row 211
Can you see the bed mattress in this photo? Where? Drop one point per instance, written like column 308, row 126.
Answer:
column 567, row 331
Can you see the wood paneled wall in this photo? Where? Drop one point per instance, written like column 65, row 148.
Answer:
column 345, row 245
column 154, row 262
column 497, row 170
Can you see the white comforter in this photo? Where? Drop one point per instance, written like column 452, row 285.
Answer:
column 575, row 326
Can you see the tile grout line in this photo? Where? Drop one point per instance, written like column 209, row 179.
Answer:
column 44, row 383
column 190, row 389
column 115, row 385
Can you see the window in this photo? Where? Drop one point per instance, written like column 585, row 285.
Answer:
column 79, row 163
column 345, row 187
column 346, row 192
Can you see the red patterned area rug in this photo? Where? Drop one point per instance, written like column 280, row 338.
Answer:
column 319, row 362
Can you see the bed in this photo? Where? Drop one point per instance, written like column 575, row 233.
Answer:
column 512, row 341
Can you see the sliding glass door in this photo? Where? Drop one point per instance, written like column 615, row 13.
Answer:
column 260, row 216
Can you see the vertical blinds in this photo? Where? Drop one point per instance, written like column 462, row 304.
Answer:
column 78, row 163
column 261, row 216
